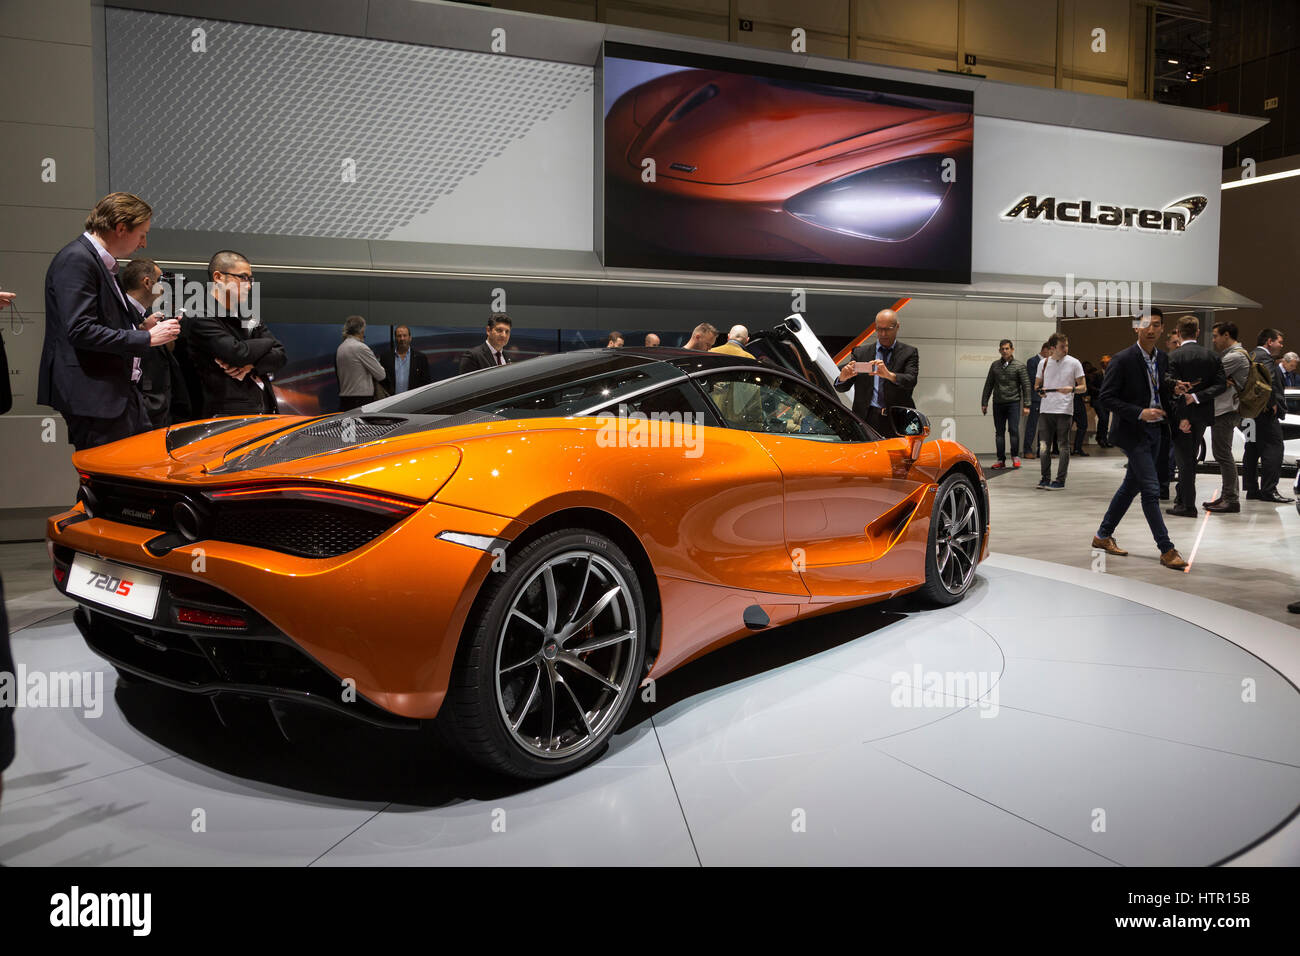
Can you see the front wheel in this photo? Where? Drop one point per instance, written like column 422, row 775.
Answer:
column 953, row 548
column 548, row 668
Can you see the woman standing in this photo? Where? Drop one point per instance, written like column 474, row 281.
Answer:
column 359, row 372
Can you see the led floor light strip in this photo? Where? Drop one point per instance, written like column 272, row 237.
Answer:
column 1200, row 534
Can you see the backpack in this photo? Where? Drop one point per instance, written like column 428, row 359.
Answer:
column 1257, row 393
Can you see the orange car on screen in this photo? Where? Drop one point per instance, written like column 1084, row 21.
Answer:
column 757, row 168
column 515, row 550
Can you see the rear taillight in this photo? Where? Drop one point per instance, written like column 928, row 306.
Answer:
column 194, row 615
column 365, row 500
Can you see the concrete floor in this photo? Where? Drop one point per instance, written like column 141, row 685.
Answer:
column 1091, row 699
column 1248, row 560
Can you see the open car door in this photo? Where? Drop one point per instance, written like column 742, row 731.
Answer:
column 794, row 346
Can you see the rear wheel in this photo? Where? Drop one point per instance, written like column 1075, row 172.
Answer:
column 953, row 549
column 548, row 669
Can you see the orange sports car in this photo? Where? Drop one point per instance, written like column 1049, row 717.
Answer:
column 513, row 551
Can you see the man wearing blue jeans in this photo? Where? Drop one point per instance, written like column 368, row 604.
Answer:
column 1136, row 394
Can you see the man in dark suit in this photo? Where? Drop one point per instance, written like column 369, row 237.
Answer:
column 491, row 352
column 406, row 368
column 89, row 356
column 1196, row 378
column 160, row 381
column 888, row 370
column 1136, row 392
column 234, row 354
column 1261, row 465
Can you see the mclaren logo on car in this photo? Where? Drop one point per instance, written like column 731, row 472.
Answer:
column 1175, row 217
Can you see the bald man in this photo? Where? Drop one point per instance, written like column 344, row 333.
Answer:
column 651, row 340
column 884, row 373
column 737, row 339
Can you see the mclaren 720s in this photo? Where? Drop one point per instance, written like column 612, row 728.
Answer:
column 515, row 550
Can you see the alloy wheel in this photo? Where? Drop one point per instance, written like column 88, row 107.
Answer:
column 566, row 653
column 957, row 537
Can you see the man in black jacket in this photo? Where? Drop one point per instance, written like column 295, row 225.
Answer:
column 235, row 355
column 887, row 370
column 1261, row 464
column 407, row 368
column 161, row 384
column 89, row 356
column 493, row 351
column 1136, row 392
column 1196, row 378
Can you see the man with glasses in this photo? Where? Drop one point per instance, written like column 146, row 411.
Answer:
column 888, row 370
column 233, row 353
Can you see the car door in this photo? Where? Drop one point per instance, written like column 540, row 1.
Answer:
column 845, row 501
column 794, row 346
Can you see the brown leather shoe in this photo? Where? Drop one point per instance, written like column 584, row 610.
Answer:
column 1108, row 545
column 1173, row 560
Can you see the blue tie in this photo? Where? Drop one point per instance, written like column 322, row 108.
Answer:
column 882, row 354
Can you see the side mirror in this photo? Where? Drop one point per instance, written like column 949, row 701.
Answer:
column 910, row 424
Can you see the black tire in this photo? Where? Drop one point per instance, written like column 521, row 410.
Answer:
column 949, row 540
column 526, row 716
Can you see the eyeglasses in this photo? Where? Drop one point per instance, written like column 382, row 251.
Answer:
column 241, row 276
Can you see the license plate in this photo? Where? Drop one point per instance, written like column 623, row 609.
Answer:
column 114, row 585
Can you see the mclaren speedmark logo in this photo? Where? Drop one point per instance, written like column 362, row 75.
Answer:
column 1175, row 217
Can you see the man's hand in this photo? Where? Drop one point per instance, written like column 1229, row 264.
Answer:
column 849, row 370
column 6, row 298
column 1181, row 388
column 879, row 368
column 151, row 321
column 984, row 409
column 163, row 332
column 1189, row 398
column 1152, row 415
column 1025, row 410
column 237, row 372
column 1185, row 426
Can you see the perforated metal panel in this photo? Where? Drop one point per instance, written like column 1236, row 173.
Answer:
column 252, row 135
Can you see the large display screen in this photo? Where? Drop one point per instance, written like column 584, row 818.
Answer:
column 723, row 165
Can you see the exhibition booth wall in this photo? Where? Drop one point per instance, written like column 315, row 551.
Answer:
column 410, row 164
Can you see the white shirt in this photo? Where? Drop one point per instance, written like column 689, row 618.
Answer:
column 1058, row 374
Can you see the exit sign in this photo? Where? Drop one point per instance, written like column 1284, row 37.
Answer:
column 1270, row 103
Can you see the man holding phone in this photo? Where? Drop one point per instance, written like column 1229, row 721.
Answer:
column 91, row 339
column 1058, row 380
column 889, row 368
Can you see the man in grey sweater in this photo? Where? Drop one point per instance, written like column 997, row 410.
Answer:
column 1008, row 384
column 359, row 372
column 1236, row 365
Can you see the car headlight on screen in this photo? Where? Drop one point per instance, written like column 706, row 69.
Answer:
column 892, row 202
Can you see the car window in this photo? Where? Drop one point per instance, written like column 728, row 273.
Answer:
column 680, row 399
column 778, row 405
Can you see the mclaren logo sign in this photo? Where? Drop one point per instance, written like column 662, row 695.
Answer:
column 1175, row 217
